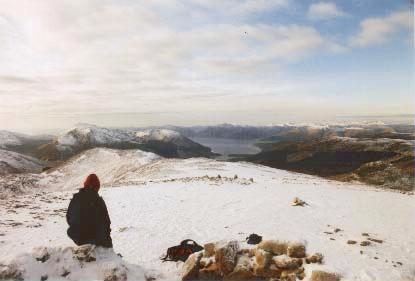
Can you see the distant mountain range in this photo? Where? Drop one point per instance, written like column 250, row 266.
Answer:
column 296, row 132
column 374, row 153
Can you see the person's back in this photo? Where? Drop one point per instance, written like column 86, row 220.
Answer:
column 87, row 216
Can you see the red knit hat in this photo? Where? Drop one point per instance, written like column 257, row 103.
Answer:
column 92, row 181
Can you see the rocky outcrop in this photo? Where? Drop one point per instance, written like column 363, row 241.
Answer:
column 270, row 260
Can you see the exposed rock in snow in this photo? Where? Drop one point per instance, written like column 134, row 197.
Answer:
column 298, row 202
column 191, row 267
column 319, row 275
column 315, row 258
column 274, row 246
column 225, row 256
column 12, row 185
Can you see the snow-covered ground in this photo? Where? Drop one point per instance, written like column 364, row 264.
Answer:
column 165, row 201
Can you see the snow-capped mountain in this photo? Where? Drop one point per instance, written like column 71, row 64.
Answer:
column 90, row 135
column 163, row 137
column 154, row 203
column 163, row 142
column 14, row 163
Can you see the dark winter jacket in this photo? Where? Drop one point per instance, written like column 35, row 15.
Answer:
column 88, row 219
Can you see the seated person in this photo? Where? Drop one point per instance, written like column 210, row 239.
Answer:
column 87, row 216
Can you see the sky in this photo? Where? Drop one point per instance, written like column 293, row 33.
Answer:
column 195, row 62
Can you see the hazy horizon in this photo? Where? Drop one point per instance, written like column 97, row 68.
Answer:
column 112, row 123
column 193, row 62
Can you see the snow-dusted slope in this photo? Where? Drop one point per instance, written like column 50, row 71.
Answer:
column 110, row 164
column 13, row 140
column 126, row 167
column 9, row 139
column 163, row 201
column 14, row 163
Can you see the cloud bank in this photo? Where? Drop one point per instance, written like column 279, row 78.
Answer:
column 97, row 57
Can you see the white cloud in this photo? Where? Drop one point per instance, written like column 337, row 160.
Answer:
column 378, row 30
column 324, row 11
column 241, row 7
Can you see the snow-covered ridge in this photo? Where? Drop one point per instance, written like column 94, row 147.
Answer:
column 135, row 167
column 111, row 165
column 100, row 136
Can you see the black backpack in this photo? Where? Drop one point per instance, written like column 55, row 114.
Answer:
column 253, row 239
column 183, row 251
